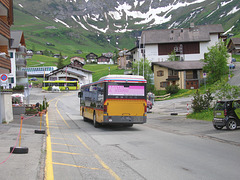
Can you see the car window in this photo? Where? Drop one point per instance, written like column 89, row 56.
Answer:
column 236, row 104
column 219, row 106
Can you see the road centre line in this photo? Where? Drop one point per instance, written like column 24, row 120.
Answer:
column 60, row 114
column 105, row 166
column 71, row 165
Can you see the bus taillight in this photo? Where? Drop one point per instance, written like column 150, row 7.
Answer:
column 105, row 108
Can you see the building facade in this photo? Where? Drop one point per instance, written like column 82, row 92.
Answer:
column 6, row 20
column 188, row 44
column 185, row 74
column 18, row 52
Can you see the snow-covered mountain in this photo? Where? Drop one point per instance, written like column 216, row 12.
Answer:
column 119, row 16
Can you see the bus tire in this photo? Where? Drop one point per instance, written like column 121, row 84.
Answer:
column 95, row 123
column 66, row 88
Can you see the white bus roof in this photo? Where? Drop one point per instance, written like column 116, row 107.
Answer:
column 123, row 77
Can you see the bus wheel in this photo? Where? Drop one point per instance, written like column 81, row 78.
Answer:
column 66, row 88
column 95, row 123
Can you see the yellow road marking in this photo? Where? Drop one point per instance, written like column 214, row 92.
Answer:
column 70, row 153
column 65, row 144
column 48, row 163
column 72, row 165
column 60, row 114
column 99, row 159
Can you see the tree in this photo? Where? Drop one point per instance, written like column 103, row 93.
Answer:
column 173, row 57
column 147, row 72
column 60, row 61
column 216, row 62
column 201, row 102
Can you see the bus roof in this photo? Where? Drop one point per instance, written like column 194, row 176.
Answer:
column 120, row 78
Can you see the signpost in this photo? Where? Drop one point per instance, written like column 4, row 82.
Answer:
column 205, row 76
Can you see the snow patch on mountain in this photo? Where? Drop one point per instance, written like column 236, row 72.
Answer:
column 65, row 24
column 233, row 11
column 225, row 3
column 20, row 5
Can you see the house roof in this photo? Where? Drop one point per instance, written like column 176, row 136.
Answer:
column 17, row 39
column 181, row 65
column 64, row 69
column 236, row 41
column 192, row 34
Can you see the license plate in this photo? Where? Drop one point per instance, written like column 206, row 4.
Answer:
column 219, row 114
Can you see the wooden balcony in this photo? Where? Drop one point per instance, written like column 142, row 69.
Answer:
column 172, row 78
column 5, row 3
column 5, row 62
column 4, row 29
column 21, row 74
column 21, row 62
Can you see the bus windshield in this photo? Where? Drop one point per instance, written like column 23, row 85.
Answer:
column 126, row 90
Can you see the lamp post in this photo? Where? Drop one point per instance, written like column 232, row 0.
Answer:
column 42, row 63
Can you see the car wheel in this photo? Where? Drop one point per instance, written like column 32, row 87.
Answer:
column 95, row 123
column 217, row 127
column 231, row 124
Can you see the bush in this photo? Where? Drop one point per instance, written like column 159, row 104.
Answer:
column 201, row 102
column 172, row 89
column 19, row 88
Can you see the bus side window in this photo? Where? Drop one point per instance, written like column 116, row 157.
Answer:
column 80, row 94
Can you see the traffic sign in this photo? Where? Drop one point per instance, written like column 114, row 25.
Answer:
column 204, row 75
column 3, row 77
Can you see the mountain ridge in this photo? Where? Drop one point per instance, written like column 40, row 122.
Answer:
column 111, row 22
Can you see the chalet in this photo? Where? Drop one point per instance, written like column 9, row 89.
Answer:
column 124, row 59
column 234, row 46
column 91, row 58
column 71, row 73
column 186, row 74
column 189, row 44
column 77, row 61
column 109, row 54
column 39, row 52
column 18, row 54
column 104, row 60
column 6, row 20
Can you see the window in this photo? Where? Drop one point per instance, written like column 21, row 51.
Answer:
column 160, row 73
column 163, row 84
column 11, row 54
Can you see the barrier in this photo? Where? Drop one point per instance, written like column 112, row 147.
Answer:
column 161, row 98
column 40, row 131
column 19, row 149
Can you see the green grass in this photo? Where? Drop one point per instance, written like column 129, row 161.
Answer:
column 237, row 57
column 206, row 115
column 101, row 70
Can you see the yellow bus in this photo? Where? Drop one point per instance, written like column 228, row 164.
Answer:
column 115, row 99
column 63, row 85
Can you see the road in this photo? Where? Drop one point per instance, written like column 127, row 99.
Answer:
column 166, row 147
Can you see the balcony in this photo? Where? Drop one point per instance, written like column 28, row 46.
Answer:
column 22, row 50
column 172, row 78
column 5, row 62
column 21, row 74
column 21, row 62
column 5, row 29
column 191, row 77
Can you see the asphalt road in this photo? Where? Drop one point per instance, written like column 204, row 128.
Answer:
column 166, row 147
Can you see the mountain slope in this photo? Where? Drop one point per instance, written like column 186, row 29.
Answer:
column 102, row 25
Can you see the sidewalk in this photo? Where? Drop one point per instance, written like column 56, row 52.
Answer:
column 23, row 166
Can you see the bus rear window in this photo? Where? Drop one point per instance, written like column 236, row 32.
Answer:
column 126, row 90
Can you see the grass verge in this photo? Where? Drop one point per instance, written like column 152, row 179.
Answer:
column 206, row 115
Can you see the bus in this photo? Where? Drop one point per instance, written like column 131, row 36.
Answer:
column 114, row 99
column 63, row 85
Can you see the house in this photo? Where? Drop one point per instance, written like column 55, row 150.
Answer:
column 77, row 61
column 91, row 58
column 39, row 52
column 234, row 46
column 6, row 20
column 124, row 59
column 189, row 44
column 109, row 54
column 29, row 54
column 104, row 60
column 18, row 54
column 186, row 74
column 71, row 73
